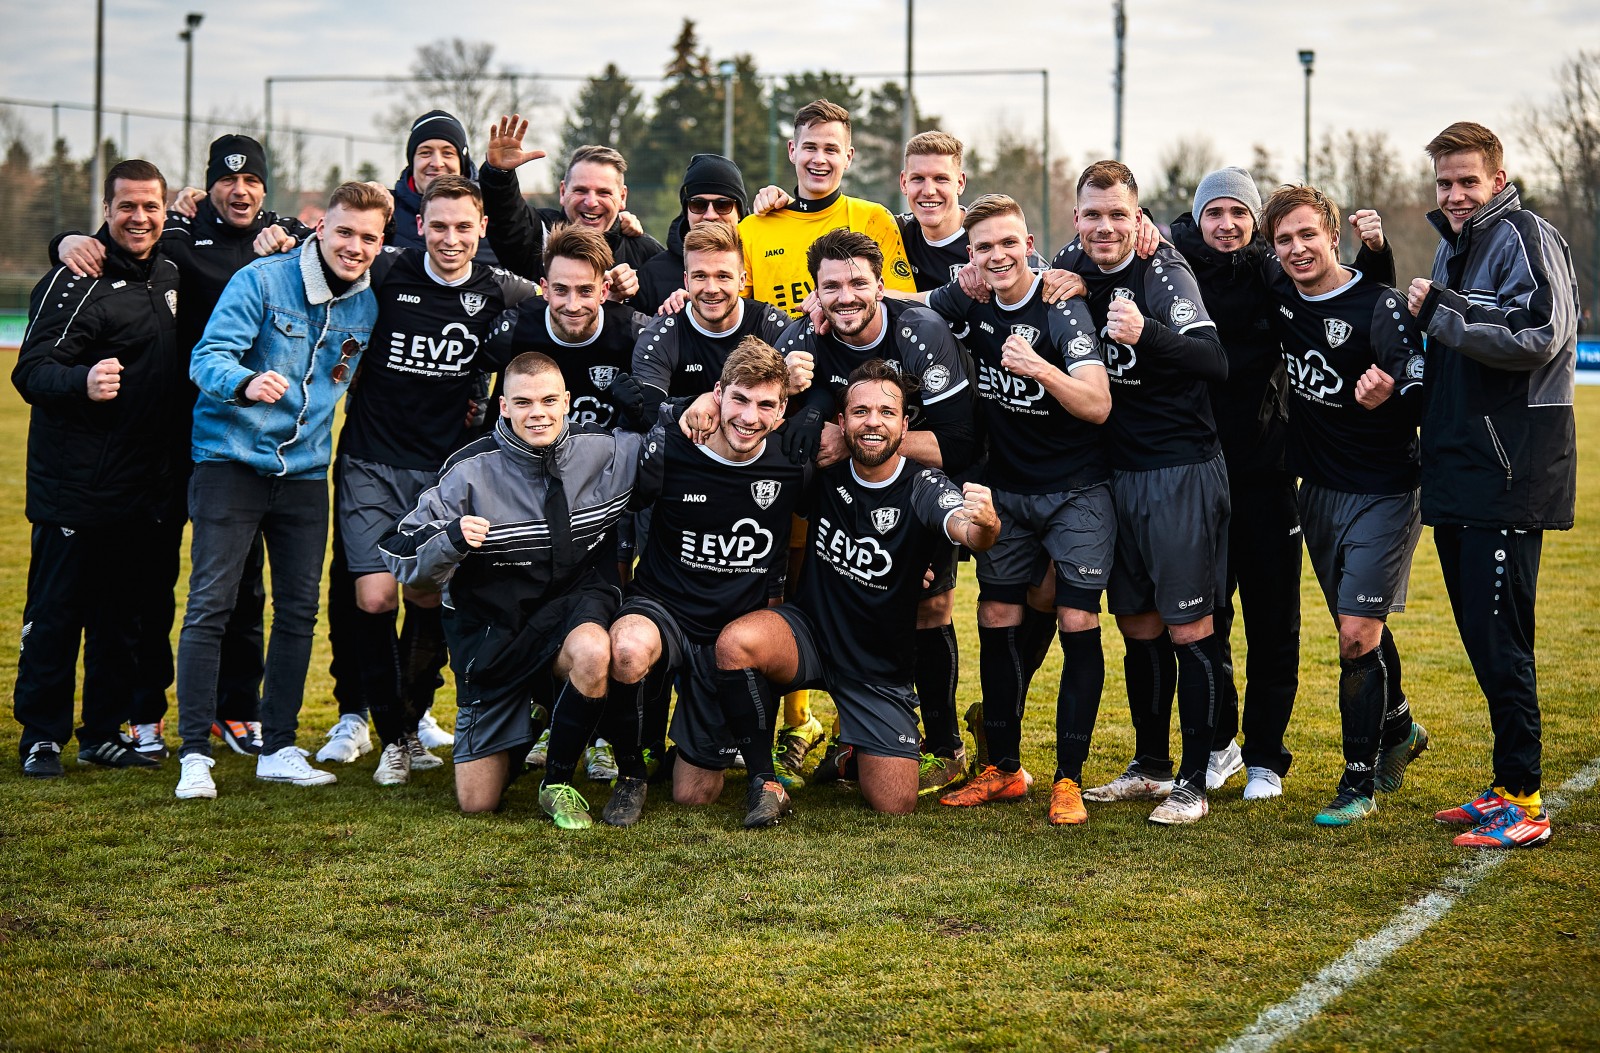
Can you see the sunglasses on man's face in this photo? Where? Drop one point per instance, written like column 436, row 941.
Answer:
column 701, row 205
column 347, row 350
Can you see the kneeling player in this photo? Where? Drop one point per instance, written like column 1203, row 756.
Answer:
column 720, row 523
column 1347, row 340
column 878, row 521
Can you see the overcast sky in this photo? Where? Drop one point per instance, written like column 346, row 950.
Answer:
column 1227, row 70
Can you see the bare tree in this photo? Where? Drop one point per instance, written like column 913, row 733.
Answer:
column 1363, row 170
column 1562, row 134
column 1181, row 166
column 458, row 76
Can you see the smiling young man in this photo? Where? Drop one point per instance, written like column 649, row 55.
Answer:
column 879, row 520
column 720, row 523
column 273, row 363
column 100, row 367
column 1355, row 369
column 1499, row 448
column 1168, row 483
column 515, row 533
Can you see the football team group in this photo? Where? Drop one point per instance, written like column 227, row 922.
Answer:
column 598, row 474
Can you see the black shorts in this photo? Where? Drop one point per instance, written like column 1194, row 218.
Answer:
column 369, row 499
column 1076, row 530
column 1360, row 546
column 698, row 729
column 1172, row 541
column 944, row 572
column 877, row 719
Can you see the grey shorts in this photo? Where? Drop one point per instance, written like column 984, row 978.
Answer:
column 877, row 719
column 1360, row 546
column 1076, row 530
column 698, row 729
column 1172, row 541
column 369, row 499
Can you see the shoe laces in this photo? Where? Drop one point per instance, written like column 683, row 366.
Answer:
column 395, row 752
column 345, row 728
column 1184, row 794
column 146, row 732
column 930, row 764
column 295, row 759
column 566, row 795
column 1505, row 818
column 196, row 761
column 412, row 744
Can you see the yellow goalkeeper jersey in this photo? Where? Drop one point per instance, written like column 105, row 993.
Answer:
column 775, row 247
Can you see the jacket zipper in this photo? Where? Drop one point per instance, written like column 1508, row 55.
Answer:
column 1499, row 450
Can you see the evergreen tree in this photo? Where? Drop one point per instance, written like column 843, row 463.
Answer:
column 608, row 111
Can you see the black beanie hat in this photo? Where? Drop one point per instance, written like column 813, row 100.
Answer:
column 232, row 154
column 714, row 174
column 437, row 124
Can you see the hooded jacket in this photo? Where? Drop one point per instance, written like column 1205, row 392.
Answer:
column 1499, row 442
column 662, row 274
column 100, row 462
column 403, row 233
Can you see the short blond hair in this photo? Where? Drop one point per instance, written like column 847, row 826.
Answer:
column 362, row 197
column 821, row 112
column 1291, row 196
column 937, row 144
column 991, row 206
column 713, row 237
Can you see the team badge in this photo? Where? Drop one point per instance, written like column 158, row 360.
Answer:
column 1338, row 331
column 472, row 303
column 1122, row 292
column 172, row 301
column 602, row 376
column 1082, row 346
column 234, row 162
column 1414, row 367
column 949, row 499
column 936, row 379
column 902, row 268
column 1184, row 311
column 1030, row 333
column 955, row 270
column 885, row 519
column 765, row 491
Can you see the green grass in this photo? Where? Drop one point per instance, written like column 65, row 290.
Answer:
column 356, row 917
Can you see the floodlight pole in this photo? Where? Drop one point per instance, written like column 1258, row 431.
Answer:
column 726, row 68
column 908, row 112
column 187, row 36
column 1119, row 23
column 1308, row 57
column 98, row 167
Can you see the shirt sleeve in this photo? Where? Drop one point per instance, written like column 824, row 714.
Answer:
column 216, row 363
column 56, row 354
column 1181, row 331
column 950, row 303
column 515, row 232
column 882, row 228
column 656, row 355
column 1396, row 345
column 424, row 548
column 934, row 499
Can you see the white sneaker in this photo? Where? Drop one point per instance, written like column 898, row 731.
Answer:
column 347, row 740
column 1263, row 783
column 1185, row 804
column 541, row 751
column 1222, row 765
column 1131, row 785
column 431, row 733
column 421, row 759
column 147, row 740
column 290, row 765
column 600, row 762
column 195, row 781
column 394, row 767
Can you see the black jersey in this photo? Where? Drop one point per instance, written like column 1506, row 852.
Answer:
column 870, row 545
column 1160, row 401
column 1035, row 445
column 935, row 263
column 914, row 340
column 1329, row 341
column 589, row 366
column 717, row 527
column 409, row 406
column 676, row 356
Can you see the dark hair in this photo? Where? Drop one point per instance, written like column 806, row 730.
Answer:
column 1103, row 175
column 1289, row 197
column 821, row 112
column 572, row 242
column 454, row 187
column 134, row 171
column 844, row 244
column 1464, row 136
column 876, row 370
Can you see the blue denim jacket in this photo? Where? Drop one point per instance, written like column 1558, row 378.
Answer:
column 278, row 314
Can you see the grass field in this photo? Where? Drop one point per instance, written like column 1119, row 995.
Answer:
column 356, row 917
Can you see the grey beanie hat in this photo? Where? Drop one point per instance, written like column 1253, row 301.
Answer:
column 1231, row 182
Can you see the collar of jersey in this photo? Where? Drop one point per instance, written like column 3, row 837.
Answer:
column 427, row 265
column 877, row 486
column 819, row 205
column 1026, row 299
column 882, row 333
column 715, row 456
column 703, row 331
column 942, row 242
column 599, row 327
column 1355, row 276
column 1119, row 268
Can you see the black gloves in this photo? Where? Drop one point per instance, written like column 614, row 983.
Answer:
column 627, row 395
column 801, row 437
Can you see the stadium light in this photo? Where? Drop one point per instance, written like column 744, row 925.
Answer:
column 192, row 23
column 726, row 69
column 1307, row 57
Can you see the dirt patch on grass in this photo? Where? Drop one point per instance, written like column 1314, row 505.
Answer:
column 960, row 927
column 393, row 1001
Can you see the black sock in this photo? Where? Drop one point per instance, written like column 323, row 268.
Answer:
column 750, row 709
column 1396, row 710
column 657, row 702
column 343, row 665
column 572, row 722
column 1083, row 678
column 1005, row 692
column 1363, row 685
column 1151, row 669
column 623, row 726
column 938, row 665
column 377, row 657
column 423, row 654
column 1034, row 637
column 1199, row 694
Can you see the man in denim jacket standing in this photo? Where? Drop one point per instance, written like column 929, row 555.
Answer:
column 275, row 359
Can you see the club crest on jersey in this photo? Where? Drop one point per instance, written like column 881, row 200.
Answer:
column 602, row 376
column 955, row 270
column 1030, row 333
column 1122, row 292
column 1338, row 330
column 172, row 301
column 472, row 303
column 234, row 162
column 1081, row 346
column 885, row 519
column 949, row 499
column 765, row 491
column 1414, row 367
column 936, row 379
column 1184, row 311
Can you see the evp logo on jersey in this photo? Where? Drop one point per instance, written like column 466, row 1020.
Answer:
column 1119, row 358
column 765, row 491
column 449, row 352
column 739, row 549
column 1017, row 394
column 885, row 519
column 860, row 558
column 1312, row 377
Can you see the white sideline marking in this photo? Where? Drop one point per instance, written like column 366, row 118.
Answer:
column 1284, row 1019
